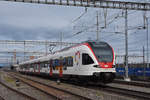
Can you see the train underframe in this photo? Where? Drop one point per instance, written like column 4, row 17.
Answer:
column 97, row 77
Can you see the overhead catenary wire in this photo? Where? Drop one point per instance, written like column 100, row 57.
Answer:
column 80, row 16
column 112, row 37
column 100, row 23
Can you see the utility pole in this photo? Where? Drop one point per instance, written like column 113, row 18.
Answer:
column 14, row 56
column 61, row 39
column 126, row 46
column 46, row 48
column 147, row 44
column 144, row 19
column 12, row 60
column 143, row 55
column 144, row 61
column 97, row 26
column 105, row 16
column 24, row 49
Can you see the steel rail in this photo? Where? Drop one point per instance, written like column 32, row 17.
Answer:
column 93, row 3
column 139, row 95
column 18, row 92
column 125, row 92
column 130, row 93
column 48, row 86
column 134, row 83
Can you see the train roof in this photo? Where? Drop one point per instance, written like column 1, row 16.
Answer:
column 45, row 58
column 95, row 42
column 41, row 59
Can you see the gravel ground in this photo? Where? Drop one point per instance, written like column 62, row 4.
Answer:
column 10, row 95
column 130, row 87
column 91, row 93
column 34, row 92
column 1, row 98
column 24, row 88
column 144, row 82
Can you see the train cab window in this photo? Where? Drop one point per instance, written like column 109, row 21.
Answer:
column 86, row 59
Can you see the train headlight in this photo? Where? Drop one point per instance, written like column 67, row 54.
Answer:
column 106, row 66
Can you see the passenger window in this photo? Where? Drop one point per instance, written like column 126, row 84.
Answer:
column 56, row 62
column 41, row 65
column 64, row 62
column 86, row 59
column 32, row 65
column 70, row 61
column 45, row 65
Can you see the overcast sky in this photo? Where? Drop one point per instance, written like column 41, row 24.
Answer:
column 19, row 21
column 24, row 21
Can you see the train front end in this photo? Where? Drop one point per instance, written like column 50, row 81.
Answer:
column 105, row 58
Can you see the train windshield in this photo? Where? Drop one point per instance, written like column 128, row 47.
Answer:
column 102, row 51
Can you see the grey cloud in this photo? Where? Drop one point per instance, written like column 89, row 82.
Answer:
column 15, row 33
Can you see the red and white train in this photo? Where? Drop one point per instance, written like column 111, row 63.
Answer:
column 89, row 61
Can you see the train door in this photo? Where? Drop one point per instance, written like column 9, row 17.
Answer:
column 51, row 68
column 61, row 66
column 34, row 66
column 77, row 61
column 37, row 68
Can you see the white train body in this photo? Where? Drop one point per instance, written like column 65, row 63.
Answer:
column 79, row 61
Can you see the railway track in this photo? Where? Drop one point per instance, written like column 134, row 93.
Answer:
column 57, row 93
column 125, row 92
column 134, row 83
column 130, row 93
column 139, row 95
column 27, row 97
